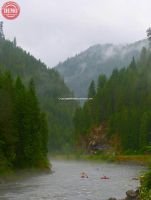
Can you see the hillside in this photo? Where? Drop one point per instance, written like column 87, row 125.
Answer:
column 80, row 70
column 119, row 115
column 49, row 87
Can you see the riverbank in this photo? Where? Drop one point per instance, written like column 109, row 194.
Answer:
column 144, row 160
column 66, row 182
column 20, row 174
column 136, row 159
column 105, row 157
column 8, row 173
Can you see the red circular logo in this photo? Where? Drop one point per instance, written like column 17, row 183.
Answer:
column 10, row 10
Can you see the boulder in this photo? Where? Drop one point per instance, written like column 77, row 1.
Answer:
column 132, row 195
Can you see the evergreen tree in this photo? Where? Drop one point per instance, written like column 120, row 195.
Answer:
column 7, row 124
column 145, row 130
column 149, row 35
column 101, row 82
column 23, row 128
column 15, row 42
column 133, row 64
column 21, row 118
column 91, row 90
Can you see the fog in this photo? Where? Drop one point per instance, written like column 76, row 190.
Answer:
column 54, row 30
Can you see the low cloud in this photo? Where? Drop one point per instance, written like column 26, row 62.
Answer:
column 54, row 30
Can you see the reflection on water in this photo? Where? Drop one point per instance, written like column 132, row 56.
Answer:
column 66, row 183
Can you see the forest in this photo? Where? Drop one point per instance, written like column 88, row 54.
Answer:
column 121, row 106
column 49, row 87
column 23, row 126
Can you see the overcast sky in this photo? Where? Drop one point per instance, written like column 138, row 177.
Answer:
column 53, row 30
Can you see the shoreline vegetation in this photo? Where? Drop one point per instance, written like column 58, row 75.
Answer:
column 12, row 174
column 20, row 174
column 9, row 174
column 105, row 157
column 144, row 160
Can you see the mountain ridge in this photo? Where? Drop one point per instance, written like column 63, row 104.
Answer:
column 80, row 70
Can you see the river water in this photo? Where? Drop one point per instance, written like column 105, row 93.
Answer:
column 66, row 184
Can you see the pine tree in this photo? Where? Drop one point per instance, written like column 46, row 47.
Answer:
column 8, row 133
column 149, row 36
column 44, row 135
column 21, row 125
column 145, row 130
column 133, row 64
column 15, row 42
column 32, row 128
column 91, row 90
column 101, row 82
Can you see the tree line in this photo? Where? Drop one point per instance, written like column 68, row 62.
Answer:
column 123, row 103
column 49, row 86
column 23, row 126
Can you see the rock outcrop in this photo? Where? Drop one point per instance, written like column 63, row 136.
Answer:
column 130, row 195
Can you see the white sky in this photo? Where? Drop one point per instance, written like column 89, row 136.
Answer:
column 53, row 30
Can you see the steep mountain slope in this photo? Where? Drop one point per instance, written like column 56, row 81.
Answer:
column 80, row 70
column 119, row 117
column 49, row 87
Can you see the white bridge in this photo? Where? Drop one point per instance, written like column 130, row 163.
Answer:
column 74, row 99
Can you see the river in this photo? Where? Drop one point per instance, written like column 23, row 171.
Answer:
column 66, row 184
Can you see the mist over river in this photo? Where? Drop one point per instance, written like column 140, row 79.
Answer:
column 65, row 182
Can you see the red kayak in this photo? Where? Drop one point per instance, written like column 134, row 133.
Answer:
column 105, row 177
